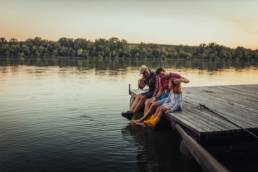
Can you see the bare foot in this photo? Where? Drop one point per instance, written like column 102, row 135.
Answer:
column 134, row 121
column 140, row 124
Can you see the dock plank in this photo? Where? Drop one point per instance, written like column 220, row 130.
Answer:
column 242, row 116
column 210, row 119
column 237, row 97
column 234, row 103
column 203, row 121
column 231, row 110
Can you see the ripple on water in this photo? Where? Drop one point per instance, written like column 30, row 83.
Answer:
column 69, row 120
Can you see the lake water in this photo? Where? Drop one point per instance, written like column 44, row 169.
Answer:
column 55, row 118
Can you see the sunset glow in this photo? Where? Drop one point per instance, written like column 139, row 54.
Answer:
column 230, row 23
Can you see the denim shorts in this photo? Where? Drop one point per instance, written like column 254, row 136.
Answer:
column 162, row 98
column 148, row 94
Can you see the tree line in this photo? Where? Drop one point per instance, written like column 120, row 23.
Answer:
column 115, row 48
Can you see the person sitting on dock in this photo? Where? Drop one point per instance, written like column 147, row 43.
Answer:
column 160, row 94
column 172, row 103
column 149, row 79
column 161, row 91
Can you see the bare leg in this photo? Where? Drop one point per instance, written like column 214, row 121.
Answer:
column 139, row 105
column 141, row 121
column 140, row 124
column 157, row 111
column 145, row 115
column 161, row 111
column 148, row 103
column 135, row 102
column 154, row 120
column 152, row 108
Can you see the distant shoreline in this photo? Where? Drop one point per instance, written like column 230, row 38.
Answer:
column 115, row 48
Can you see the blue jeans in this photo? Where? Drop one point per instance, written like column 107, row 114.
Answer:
column 148, row 94
column 161, row 99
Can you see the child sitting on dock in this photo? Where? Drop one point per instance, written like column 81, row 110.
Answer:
column 172, row 103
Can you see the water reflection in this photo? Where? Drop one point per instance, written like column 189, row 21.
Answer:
column 199, row 73
column 123, row 63
column 66, row 115
column 157, row 150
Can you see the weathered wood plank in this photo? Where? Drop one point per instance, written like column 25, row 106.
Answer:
column 232, row 102
column 202, row 121
column 226, row 95
column 231, row 110
column 237, row 98
column 252, row 90
column 243, row 90
column 227, row 113
column 209, row 118
column 239, row 115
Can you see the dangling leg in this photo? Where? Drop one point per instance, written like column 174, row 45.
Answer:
column 140, row 104
column 145, row 115
column 161, row 111
column 156, row 117
column 149, row 121
column 135, row 102
column 129, row 114
column 148, row 103
column 153, row 106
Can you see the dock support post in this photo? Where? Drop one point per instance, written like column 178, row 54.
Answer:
column 129, row 89
column 184, row 150
column 202, row 156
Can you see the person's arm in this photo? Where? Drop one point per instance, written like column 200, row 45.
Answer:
column 159, row 92
column 141, row 83
column 182, row 79
column 158, row 88
column 173, row 75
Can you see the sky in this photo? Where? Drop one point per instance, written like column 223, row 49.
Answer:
column 189, row 22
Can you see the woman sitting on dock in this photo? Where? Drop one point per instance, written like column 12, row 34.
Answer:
column 148, row 78
column 172, row 103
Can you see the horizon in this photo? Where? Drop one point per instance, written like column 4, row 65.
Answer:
column 132, row 43
column 229, row 23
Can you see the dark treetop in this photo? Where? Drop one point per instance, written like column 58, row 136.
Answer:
column 116, row 48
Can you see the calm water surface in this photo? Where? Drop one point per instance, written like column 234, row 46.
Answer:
column 68, row 118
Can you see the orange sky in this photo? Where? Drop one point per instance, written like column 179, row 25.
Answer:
column 229, row 22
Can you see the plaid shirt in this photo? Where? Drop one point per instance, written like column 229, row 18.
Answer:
column 162, row 81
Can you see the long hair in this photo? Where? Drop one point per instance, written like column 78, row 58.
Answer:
column 176, row 88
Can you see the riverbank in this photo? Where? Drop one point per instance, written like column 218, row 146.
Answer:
column 120, row 48
column 124, row 63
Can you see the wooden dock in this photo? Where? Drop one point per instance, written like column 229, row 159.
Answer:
column 217, row 120
column 219, row 112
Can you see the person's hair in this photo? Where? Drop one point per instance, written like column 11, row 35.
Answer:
column 144, row 69
column 176, row 88
column 160, row 69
